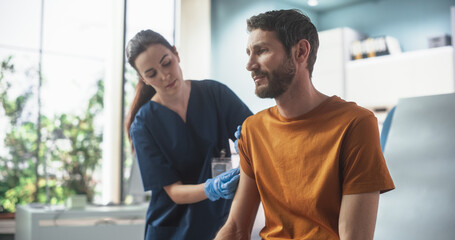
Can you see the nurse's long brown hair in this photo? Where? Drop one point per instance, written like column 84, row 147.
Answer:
column 137, row 45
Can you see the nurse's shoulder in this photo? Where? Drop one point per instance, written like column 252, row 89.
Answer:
column 143, row 116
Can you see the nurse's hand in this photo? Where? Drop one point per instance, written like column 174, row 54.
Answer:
column 237, row 136
column 223, row 185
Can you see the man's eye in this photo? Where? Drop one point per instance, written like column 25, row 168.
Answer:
column 260, row 51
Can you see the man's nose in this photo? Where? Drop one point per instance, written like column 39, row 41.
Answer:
column 252, row 64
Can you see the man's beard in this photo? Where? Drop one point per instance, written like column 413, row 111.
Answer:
column 279, row 80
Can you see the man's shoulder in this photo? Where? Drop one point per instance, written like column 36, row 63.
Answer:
column 259, row 117
column 349, row 108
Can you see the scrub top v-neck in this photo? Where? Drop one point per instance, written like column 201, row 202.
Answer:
column 169, row 149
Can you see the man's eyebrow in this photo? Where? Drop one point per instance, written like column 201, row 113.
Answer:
column 256, row 46
column 161, row 60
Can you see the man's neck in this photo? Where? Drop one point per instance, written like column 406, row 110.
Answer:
column 300, row 98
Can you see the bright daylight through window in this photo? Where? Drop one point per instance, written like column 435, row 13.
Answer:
column 52, row 80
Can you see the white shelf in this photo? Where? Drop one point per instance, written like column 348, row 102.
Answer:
column 381, row 81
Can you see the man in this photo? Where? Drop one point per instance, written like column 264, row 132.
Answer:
column 314, row 161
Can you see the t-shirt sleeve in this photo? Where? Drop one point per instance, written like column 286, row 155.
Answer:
column 234, row 111
column 245, row 161
column 363, row 164
column 155, row 170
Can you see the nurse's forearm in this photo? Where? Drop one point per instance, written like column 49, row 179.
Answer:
column 185, row 193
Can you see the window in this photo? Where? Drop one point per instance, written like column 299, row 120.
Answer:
column 62, row 107
column 51, row 88
column 158, row 16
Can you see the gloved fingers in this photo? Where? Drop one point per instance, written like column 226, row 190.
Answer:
column 232, row 184
column 209, row 190
column 213, row 188
column 233, row 179
column 235, row 171
column 235, row 145
column 224, row 185
column 237, row 133
column 230, row 187
column 226, row 176
column 237, row 136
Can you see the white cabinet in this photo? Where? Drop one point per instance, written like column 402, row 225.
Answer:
column 112, row 222
column 381, row 81
column 333, row 54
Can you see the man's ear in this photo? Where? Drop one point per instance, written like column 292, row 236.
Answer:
column 302, row 50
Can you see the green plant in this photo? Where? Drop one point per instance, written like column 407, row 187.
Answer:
column 69, row 145
column 18, row 162
column 85, row 154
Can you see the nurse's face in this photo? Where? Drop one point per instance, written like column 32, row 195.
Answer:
column 159, row 67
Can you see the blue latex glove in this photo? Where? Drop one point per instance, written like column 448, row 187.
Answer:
column 223, row 185
column 237, row 136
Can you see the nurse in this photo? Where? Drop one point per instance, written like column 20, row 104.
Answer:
column 176, row 126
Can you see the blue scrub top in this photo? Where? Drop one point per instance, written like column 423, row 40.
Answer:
column 169, row 150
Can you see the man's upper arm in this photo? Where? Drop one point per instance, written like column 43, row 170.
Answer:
column 358, row 216
column 243, row 210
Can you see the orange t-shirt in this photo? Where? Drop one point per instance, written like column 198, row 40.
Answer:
column 303, row 166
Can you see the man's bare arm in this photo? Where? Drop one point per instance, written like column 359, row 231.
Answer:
column 358, row 216
column 243, row 211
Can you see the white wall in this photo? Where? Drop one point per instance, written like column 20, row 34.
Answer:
column 193, row 38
